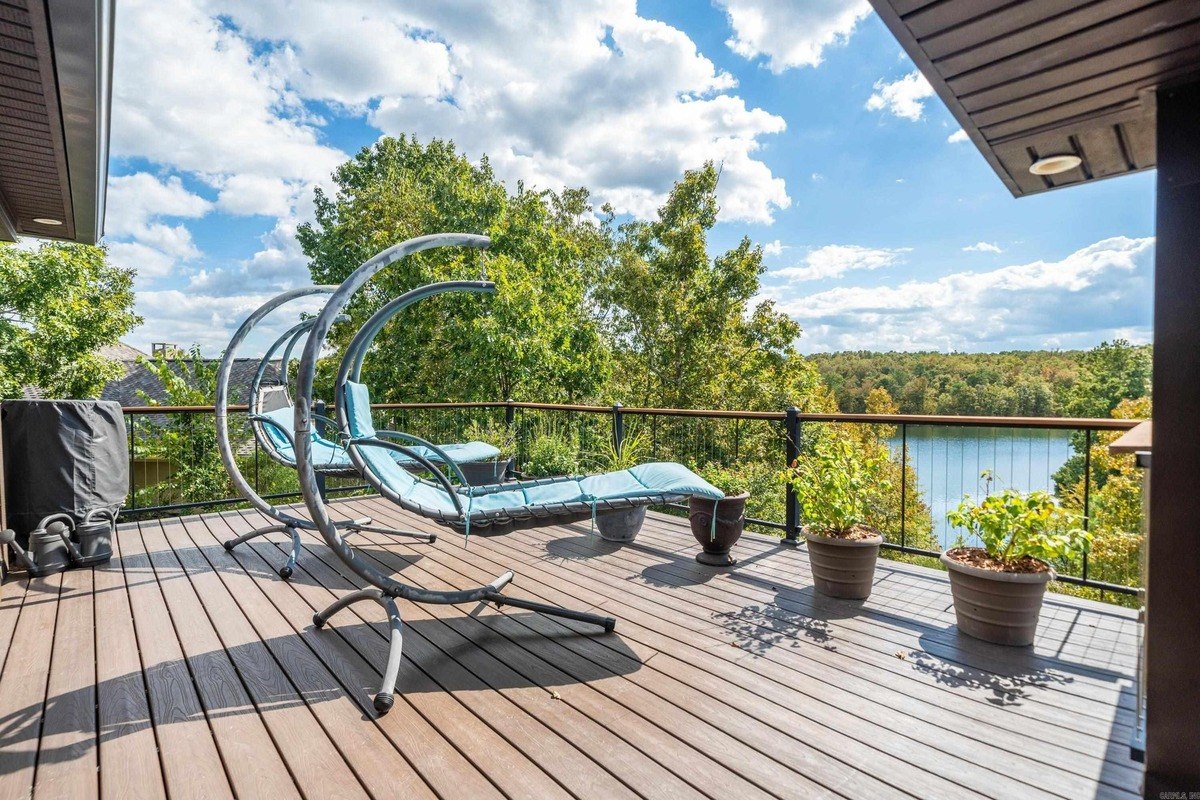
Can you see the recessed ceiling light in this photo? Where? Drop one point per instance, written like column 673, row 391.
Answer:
column 47, row 221
column 1052, row 165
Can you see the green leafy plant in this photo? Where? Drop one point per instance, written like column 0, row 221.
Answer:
column 499, row 435
column 1012, row 525
column 550, row 453
column 730, row 480
column 835, row 485
column 631, row 452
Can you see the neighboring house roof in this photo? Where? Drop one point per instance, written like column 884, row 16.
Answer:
column 139, row 385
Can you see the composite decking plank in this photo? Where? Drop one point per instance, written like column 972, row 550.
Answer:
column 717, row 616
column 67, row 755
column 921, row 777
column 191, row 763
column 511, row 770
column 444, row 769
column 23, row 690
column 664, row 701
column 926, row 590
column 710, row 677
column 328, row 749
column 460, row 668
column 700, row 661
column 586, row 693
column 1114, row 767
column 624, row 761
column 878, row 629
column 880, row 620
column 129, row 765
column 902, row 715
column 261, row 726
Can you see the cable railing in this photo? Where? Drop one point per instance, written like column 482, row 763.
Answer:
column 935, row 461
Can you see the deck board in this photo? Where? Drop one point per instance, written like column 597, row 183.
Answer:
column 180, row 669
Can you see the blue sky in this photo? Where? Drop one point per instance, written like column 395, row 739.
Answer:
column 881, row 231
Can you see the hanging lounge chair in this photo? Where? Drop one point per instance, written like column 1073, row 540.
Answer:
column 526, row 503
column 273, row 429
column 272, row 415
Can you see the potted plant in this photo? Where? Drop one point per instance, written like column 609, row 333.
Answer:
column 998, row 588
column 834, row 485
column 718, row 524
column 623, row 525
column 499, row 436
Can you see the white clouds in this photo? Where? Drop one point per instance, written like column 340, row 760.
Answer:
column 983, row 247
column 791, row 33
column 904, row 97
column 136, row 236
column 629, row 105
column 193, row 95
column 835, row 260
column 774, row 248
column 1090, row 294
column 958, row 136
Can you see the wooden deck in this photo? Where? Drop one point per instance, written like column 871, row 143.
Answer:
column 182, row 670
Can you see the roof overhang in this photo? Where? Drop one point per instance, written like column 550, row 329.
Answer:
column 1034, row 78
column 55, row 95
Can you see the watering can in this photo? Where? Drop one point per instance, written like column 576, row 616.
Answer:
column 50, row 547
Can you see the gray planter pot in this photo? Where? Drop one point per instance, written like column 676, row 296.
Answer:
column 843, row 567
column 999, row 607
column 716, row 541
column 485, row 473
column 621, row 526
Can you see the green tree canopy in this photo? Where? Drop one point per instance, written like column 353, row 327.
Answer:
column 59, row 304
column 534, row 339
column 683, row 332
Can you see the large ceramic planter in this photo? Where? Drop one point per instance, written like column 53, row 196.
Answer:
column 620, row 526
column 719, row 540
column 843, row 568
column 999, row 607
column 485, row 473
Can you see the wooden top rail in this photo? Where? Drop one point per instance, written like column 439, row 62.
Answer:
column 944, row 420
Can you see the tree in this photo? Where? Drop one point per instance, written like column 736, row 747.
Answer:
column 187, row 443
column 534, row 339
column 1112, row 372
column 58, row 305
column 680, row 322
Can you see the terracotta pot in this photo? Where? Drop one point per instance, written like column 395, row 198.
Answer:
column 485, row 473
column 620, row 526
column 843, row 567
column 999, row 607
column 731, row 521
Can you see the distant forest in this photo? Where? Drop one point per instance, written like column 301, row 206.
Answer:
column 1016, row 383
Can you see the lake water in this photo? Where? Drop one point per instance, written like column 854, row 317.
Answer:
column 949, row 461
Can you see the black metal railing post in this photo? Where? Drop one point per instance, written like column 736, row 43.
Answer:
column 132, row 463
column 1087, row 495
column 792, row 452
column 510, row 422
column 618, row 428
column 903, row 481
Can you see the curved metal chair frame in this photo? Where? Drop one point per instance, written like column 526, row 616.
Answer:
column 383, row 588
column 258, row 421
column 285, row 522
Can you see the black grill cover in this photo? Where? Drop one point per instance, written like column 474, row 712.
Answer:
column 62, row 456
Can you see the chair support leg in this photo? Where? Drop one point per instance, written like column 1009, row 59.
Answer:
column 387, row 689
column 425, row 537
column 608, row 623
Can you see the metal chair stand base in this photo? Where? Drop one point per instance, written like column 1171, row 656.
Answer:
column 385, row 698
column 351, row 526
